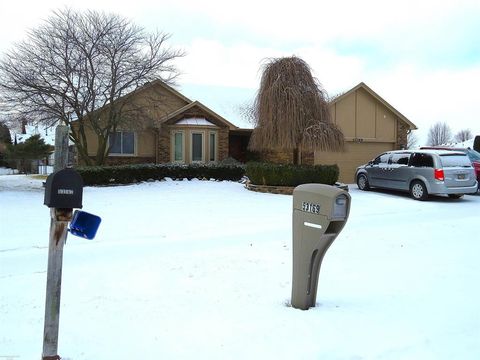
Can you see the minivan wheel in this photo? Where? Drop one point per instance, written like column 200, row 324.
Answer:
column 362, row 182
column 418, row 190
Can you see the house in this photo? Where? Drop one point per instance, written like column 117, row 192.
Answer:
column 370, row 126
column 170, row 128
column 180, row 130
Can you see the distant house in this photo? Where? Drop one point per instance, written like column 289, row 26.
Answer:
column 25, row 131
column 370, row 126
column 172, row 128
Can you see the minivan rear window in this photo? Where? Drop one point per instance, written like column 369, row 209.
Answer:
column 455, row 160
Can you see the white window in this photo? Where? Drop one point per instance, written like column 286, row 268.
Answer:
column 178, row 151
column 194, row 121
column 122, row 143
column 212, row 147
column 196, row 146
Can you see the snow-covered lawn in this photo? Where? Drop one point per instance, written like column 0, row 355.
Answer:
column 7, row 171
column 202, row 270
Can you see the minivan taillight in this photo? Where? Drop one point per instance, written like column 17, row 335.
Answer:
column 439, row 175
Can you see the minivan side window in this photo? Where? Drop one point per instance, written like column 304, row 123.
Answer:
column 421, row 160
column 381, row 159
column 400, row 159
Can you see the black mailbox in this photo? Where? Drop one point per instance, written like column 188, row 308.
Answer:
column 64, row 190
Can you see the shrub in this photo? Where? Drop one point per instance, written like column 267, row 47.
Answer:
column 127, row 174
column 291, row 175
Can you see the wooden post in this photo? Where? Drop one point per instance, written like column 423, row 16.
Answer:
column 59, row 219
column 61, row 147
column 58, row 235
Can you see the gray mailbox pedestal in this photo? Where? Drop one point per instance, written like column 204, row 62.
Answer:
column 319, row 214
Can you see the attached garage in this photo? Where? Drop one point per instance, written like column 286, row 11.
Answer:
column 354, row 155
column 370, row 126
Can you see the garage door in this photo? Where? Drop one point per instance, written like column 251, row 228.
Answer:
column 355, row 154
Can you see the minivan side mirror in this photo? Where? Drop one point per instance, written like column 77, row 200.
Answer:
column 371, row 162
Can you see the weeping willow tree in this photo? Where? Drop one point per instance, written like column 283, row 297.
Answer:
column 291, row 111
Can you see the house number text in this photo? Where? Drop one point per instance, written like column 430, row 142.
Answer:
column 311, row 208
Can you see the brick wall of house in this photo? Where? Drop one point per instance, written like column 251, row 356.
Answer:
column 127, row 160
column 308, row 157
column 277, row 156
column 402, row 130
column 164, row 145
column 222, row 144
column 286, row 157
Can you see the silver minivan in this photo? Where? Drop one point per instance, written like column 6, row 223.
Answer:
column 420, row 172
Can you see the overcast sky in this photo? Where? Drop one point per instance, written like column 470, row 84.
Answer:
column 423, row 57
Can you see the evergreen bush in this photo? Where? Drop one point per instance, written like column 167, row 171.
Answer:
column 127, row 174
column 291, row 175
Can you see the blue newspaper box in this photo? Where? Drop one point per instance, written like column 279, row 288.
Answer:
column 84, row 225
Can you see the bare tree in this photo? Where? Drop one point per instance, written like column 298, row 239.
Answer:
column 246, row 111
column 412, row 140
column 291, row 111
column 439, row 134
column 78, row 62
column 463, row 135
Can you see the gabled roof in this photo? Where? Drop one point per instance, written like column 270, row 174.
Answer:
column 159, row 82
column 362, row 85
column 144, row 87
column 202, row 107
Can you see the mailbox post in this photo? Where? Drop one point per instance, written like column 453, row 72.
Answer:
column 63, row 192
column 319, row 215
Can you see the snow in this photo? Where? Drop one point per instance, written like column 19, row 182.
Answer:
column 7, row 171
column 465, row 144
column 202, row 270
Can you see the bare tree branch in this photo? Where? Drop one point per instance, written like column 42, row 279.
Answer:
column 78, row 62
column 412, row 140
column 463, row 135
column 439, row 134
